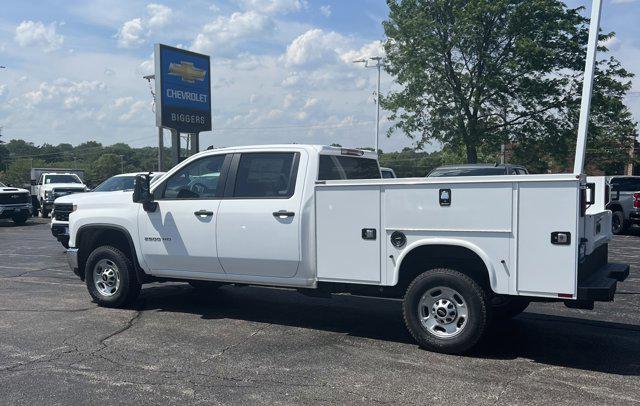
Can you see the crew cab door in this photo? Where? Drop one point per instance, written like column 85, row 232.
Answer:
column 258, row 228
column 179, row 238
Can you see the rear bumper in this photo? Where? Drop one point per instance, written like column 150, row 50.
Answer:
column 598, row 278
column 634, row 216
column 601, row 285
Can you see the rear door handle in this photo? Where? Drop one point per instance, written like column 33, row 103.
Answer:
column 203, row 213
column 283, row 214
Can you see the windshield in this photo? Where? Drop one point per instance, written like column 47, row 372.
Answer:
column 439, row 172
column 337, row 167
column 116, row 183
column 62, row 179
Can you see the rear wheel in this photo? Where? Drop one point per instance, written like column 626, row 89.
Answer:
column 505, row 307
column 618, row 223
column 110, row 277
column 445, row 311
column 20, row 219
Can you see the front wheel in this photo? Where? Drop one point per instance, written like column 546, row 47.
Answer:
column 20, row 219
column 110, row 277
column 445, row 311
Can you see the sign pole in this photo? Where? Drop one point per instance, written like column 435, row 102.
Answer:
column 160, row 149
column 587, row 87
column 175, row 147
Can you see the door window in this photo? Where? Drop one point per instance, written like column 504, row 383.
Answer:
column 198, row 180
column 268, row 175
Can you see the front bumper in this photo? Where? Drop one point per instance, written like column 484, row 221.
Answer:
column 60, row 231
column 72, row 260
column 10, row 210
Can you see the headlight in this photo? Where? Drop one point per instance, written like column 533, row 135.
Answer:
column 47, row 193
column 74, row 208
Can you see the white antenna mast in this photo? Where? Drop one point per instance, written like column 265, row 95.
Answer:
column 587, row 87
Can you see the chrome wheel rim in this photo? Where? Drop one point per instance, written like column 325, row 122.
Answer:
column 106, row 277
column 443, row 312
column 615, row 224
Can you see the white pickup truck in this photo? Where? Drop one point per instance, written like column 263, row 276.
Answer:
column 49, row 184
column 458, row 251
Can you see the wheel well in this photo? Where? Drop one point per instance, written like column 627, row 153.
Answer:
column 427, row 257
column 93, row 237
column 614, row 207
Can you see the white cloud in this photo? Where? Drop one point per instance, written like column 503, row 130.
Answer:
column 159, row 15
column 225, row 32
column 274, row 6
column 133, row 111
column 288, row 100
column 325, row 10
column 311, row 101
column 35, row 33
column 131, row 34
column 315, row 47
column 70, row 93
column 135, row 32
column 374, row 48
column 3, row 90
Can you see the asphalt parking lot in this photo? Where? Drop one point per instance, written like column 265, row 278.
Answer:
column 257, row 345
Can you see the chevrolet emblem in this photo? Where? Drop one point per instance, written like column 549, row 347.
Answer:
column 187, row 71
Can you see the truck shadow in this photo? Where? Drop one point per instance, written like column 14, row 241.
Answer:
column 553, row 340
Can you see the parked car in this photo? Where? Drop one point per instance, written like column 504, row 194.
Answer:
column 478, row 170
column 63, row 206
column 387, row 173
column 276, row 219
column 15, row 204
column 624, row 202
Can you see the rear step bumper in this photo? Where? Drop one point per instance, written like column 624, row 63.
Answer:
column 600, row 286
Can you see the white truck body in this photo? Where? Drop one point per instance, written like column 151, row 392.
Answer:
column 526, row 236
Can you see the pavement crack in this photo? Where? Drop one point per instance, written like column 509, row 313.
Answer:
column 239, row 342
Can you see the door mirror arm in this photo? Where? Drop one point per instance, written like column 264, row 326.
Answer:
column 142, row 193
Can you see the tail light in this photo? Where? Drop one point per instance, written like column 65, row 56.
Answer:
column 636, row 200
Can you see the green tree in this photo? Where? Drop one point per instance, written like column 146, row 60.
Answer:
column 475, row 74
column 18, row 172
column 105, row 167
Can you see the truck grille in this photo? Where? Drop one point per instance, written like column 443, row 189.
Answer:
column 14, row 198
column 57, row 192
column 61, row 211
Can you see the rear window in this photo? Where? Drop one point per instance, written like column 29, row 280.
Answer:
column 440, row 172
column 625, row 184
column 339, row 167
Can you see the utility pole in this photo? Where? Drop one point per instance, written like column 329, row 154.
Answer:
column 378, row 63
column 121, row 163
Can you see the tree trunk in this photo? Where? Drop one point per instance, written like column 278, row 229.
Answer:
column 472, row 154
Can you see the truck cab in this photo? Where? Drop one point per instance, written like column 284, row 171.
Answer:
column 459, row 251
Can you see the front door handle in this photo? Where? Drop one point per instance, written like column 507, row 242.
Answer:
column 283, row 214
column 203, row 213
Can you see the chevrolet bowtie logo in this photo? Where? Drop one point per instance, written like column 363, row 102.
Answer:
column 187, row 71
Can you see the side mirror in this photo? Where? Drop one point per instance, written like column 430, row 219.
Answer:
column 142, row 193
column 33, row 182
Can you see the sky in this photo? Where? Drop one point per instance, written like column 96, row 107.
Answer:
column 282, row 70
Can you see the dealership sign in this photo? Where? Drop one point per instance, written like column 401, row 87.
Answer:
column 183, row 90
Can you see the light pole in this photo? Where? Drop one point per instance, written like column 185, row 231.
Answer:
column 149, row 78
column 376, row 62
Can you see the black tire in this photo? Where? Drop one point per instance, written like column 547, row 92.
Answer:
column 618, row 224
column 504, row 307
column 128, row 289
column 470, row 297
column 20, row 219
column 205, row 286
column 44, row 212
